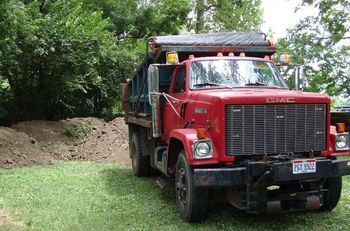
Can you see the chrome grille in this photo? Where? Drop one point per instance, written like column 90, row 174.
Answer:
column 275, row 128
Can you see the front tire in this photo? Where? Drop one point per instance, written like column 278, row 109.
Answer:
column 192, row 202
column 331, row 199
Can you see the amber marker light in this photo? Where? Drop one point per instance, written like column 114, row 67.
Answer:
column 340, row 127
column 284, row 58
column 201, row 133
column 172, row 57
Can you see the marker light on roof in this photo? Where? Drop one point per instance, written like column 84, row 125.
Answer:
column 172, row 57
column 231, row 54
column 242, row 54
column 220, row 54
column 284, row 58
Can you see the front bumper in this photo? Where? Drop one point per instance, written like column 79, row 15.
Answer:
column 271, row 172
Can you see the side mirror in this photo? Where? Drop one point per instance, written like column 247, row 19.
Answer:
column 299, row 79
column 154, row 99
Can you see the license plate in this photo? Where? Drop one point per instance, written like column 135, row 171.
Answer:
column 304, row 166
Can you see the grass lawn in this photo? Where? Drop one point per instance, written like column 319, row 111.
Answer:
column 92, row 196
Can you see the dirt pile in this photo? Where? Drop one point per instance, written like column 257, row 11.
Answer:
column 90, row 139
column 18, row 149
column 108, row 143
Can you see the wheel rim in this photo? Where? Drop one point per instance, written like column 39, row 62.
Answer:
column 133, row 156
column 181, row 188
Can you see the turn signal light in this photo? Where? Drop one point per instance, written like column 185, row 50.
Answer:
column 201, row 133
column 340, row 127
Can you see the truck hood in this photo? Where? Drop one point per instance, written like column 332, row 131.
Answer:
column 258, row 96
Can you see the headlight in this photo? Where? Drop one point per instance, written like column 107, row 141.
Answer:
column 202, row 149
column 342, row 142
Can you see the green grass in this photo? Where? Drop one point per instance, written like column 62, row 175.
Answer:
column 92, row 196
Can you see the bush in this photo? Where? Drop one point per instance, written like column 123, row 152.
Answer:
column 58, row 58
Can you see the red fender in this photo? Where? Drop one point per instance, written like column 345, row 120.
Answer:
column 186, row 137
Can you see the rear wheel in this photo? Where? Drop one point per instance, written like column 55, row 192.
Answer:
column 192, row 202
column 331, row 199
column 140, row 163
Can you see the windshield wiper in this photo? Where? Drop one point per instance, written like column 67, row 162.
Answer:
column 256, row 84
column 211, row 84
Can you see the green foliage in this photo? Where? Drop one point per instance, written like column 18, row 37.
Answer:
column 112, row 112
column 141, row 19
column 60, row 58
column 5, row 100
column 71, row 132
column 76, row 132
column 243, row 15
column 86, row 129
column 226, row 15
column 55, row 60
column 318, row 44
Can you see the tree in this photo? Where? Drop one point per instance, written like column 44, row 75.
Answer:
column 318, row 44
column 56, row 59
column 141, row 19
column 15, row 26
column 225, row 15
column 55, row 54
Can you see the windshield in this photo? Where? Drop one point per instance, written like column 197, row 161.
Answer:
column 234, row 73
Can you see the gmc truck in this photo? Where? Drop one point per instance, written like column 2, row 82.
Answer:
column 211, row 111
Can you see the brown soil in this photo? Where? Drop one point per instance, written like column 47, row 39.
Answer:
column 3, row 216
column 6, row 222
column 40, row 142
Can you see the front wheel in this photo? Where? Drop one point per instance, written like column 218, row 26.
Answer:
column 331, row 199
column 192, row 202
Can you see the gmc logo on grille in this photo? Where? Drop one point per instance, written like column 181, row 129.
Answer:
column 280, row 100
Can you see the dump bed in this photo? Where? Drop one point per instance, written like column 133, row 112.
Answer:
column 253, row 43
column 135, row 93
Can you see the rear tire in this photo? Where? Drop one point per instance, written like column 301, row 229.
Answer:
column 192, row 202
column 331, row 199
column 140, row 163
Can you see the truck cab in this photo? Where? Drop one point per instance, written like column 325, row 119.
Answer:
column 216, row 113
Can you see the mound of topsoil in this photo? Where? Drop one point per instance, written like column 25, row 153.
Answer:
column 18, row 149
column 39, row 142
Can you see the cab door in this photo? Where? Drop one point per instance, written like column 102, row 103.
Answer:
column 174, row 112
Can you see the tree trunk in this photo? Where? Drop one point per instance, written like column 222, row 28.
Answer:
column 199, row 10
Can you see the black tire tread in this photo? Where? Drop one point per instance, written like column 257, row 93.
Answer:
column 197, row 206
column 142, row 162
column 334, row 186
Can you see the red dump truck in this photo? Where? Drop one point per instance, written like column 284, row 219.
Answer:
column 212, row 111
